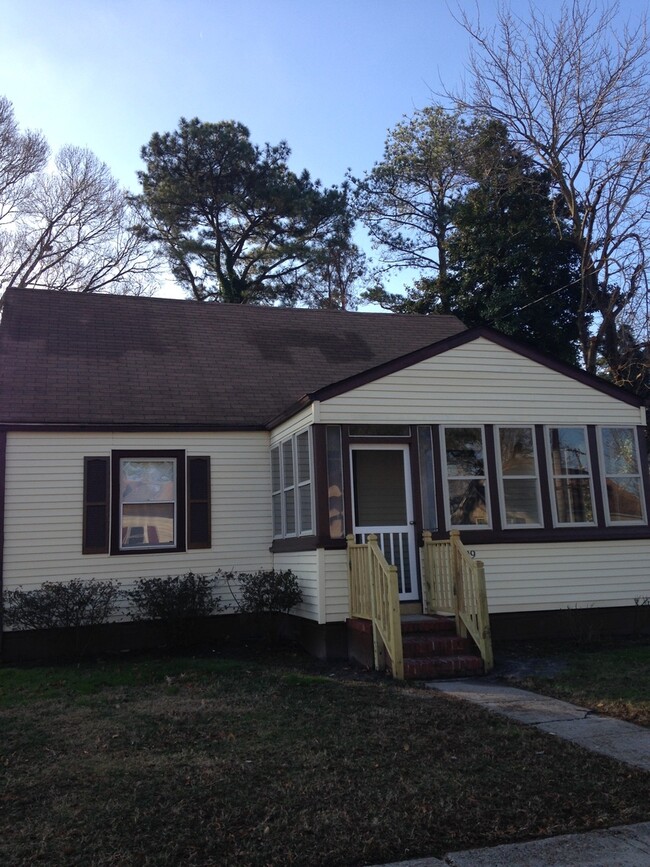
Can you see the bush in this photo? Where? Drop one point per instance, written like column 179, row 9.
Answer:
column 268, row 591
column 177, row 601
column 75, row 603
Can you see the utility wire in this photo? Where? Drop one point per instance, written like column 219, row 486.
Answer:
column 536, row 301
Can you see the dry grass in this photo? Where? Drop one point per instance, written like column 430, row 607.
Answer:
column 224, row 762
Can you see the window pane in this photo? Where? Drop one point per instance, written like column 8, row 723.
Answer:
column 467, row 503
column 304, row 501
column 573, row 499
column 464, row 451
column 287, row 463
column 302, row 446
column 521, row 501
column 147, row 481
column 275, row 468
column 335, row 482
column 624, row 498
column 619, row 450
column 569, row 451
column 517, row 451
column 146, row 524
column 277, row 514
column 290, row 511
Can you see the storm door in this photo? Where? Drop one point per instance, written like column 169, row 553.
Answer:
column 383, row 504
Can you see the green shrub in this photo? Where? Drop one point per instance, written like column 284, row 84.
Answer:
column 180, row 597
column 268, row 591
column 75, row 603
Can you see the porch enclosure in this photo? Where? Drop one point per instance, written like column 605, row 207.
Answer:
column 453, row 584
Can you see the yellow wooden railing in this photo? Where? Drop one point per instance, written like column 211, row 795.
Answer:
column 454, row 583
column 374, row 595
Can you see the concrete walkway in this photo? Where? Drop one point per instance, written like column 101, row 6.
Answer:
column 627, row 846
column 611, row 737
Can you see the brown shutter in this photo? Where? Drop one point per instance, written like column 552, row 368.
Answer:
column 198, row 503
column 96, row 505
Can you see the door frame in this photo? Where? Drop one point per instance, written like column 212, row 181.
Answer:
column 414, row 594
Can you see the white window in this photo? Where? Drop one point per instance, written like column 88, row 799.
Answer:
column 465, row 476
column 518, row 477
column 621, row 475
column 570, row 469
column 147, row 503
column 292, row 487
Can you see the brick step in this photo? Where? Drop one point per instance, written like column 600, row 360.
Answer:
column 420, row 644
column 462, row 665
column 427, row 623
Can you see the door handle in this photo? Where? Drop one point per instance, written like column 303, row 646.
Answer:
column 412, row 523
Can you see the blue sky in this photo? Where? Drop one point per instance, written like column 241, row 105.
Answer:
column 329, row 76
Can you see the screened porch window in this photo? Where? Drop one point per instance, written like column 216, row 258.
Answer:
column 147, row 503
column 467, row 501
column 569, row 465
column 291, row 487
column 622, row 476
column 519, row 477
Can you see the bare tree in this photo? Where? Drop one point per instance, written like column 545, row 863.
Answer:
column 66, row 227
column 574, row 94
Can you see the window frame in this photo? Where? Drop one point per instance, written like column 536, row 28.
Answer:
column 180, row 523
column 295, row 486
column 501, row 478
column 551, row 477
column 604, row 476
column 445, row 478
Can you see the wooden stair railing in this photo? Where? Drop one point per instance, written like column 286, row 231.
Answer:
column 374, row 596
column 454, row 583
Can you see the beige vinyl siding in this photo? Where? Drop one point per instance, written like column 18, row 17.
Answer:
column 337, row 599
column 477, row 383
column 306, row 565
column 293, row 425
column 44, row 499
column 552, row 575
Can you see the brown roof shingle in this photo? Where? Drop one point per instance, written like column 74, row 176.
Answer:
column 74, row 359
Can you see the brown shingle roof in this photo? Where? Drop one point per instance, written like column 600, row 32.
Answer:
column 74, row 359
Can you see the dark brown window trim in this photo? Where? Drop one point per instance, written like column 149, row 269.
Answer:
column 642, row 439
column 596, row 478
column 545, row 483
column 151, row 454
column 114, row 427
column 558, row 534
column 321, row 517
column 296, row 543
column 491, row 471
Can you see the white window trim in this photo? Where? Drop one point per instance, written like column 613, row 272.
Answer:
column 500, row 478
column 445, row 477
column 282, row 490
column 159, row 546
column 552, row 478
column 603, row 475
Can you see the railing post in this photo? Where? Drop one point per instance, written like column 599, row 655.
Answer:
column 484, row 618
column 371, row 540
column 429, row 595
column 459, row 590
column 396, row 649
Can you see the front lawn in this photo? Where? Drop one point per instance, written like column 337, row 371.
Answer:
column 226, row 761
column 614, row 681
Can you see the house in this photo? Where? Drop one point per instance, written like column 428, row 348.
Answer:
column 144, row 437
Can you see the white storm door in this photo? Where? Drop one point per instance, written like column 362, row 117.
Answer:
column 383, row 504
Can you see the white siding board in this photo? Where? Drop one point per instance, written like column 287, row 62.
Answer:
column 296, row 423
column 44, row 499
column 480, row 382
column 337, row 599
column 542, row 576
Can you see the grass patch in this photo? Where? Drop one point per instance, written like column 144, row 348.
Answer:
column 614, row 681
column 241, row 762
